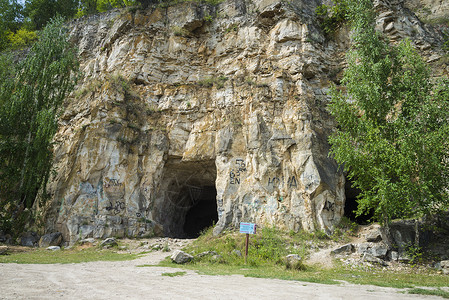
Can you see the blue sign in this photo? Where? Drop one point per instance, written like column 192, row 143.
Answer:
column 248, row 228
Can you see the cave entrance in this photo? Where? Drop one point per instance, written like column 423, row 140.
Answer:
column 351, row 204
column 187, row 200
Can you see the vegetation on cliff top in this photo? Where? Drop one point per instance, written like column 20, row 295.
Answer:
column 19, row 23
column 393, row 130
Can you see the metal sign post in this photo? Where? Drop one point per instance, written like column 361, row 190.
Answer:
column 248, row 228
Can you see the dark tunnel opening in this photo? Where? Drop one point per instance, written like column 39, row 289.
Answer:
column 187, row 200
column 351, row 205
column 202, row 214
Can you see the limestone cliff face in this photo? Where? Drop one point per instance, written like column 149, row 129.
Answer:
column 192, row 114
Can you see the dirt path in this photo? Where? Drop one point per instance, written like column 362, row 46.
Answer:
column 124, row 280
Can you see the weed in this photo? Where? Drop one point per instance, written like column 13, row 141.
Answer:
column 295, row 265
column 133, row 9
column 344, row 229
column 124, row 141
column 166, row 248
column 415, row 253
column 133, row 127
column 249, row 80
column 89, row 88
column 211, row 81
column 144, row 220
column 174, row 274
column 434, row 292
column 232, row 27
column 179, row 31
column 208, row 18
column 206, row 82
column 114, row 121
column 332, row 17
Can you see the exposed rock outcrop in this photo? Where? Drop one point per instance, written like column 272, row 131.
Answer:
column 194, row 114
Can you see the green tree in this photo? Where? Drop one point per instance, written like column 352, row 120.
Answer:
column 31, row 95
column 10, row 20
column 40, row 12
column 104, row 5
column 393, row 132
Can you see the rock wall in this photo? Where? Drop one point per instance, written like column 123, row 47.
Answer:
column 193, row 114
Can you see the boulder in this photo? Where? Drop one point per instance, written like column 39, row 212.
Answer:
column 51, row 239
column 369, row 258
column 29, row 239
column 54, row 248
column 87, row 241
column 294, row 261
column 373, row 236
column 393, row 255
column 181, row 257
column 375, row 249
column 109, row 242
column 217, row 258
column 444, row 265
column 237, row 252
column 379, row 250
column 345, row 249
column 5, row 238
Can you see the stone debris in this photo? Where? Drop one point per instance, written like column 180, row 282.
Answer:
column 4, row 250
column 181, row 257
column 345, row 249
column 216, row 258
column 54, row 248
column 109, row 242
column 88, row 241
column 51, row 239
column 372, row 259
column 374, row 236
column 206, row 253
column 444, row 265
column 29, row 239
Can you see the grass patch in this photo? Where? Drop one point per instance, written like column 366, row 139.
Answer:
column 74, row 255
column 222, row 255
column 315, row 274
column 437, row 292
column 174, row 274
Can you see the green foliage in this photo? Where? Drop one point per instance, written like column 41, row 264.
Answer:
column 179, row 31
column 211, row 81
column 31, row 94
column 167, row 3
column 10, row 16
column 344, row 230
column 105, row 5
column 269, row 246
column 231, row 263
column 22, row 38
column 65, row 256
column 332, row 17
column 393, row 129
column 40, row 12
column 174, row 274
column 415, row 253
column 435, row 292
